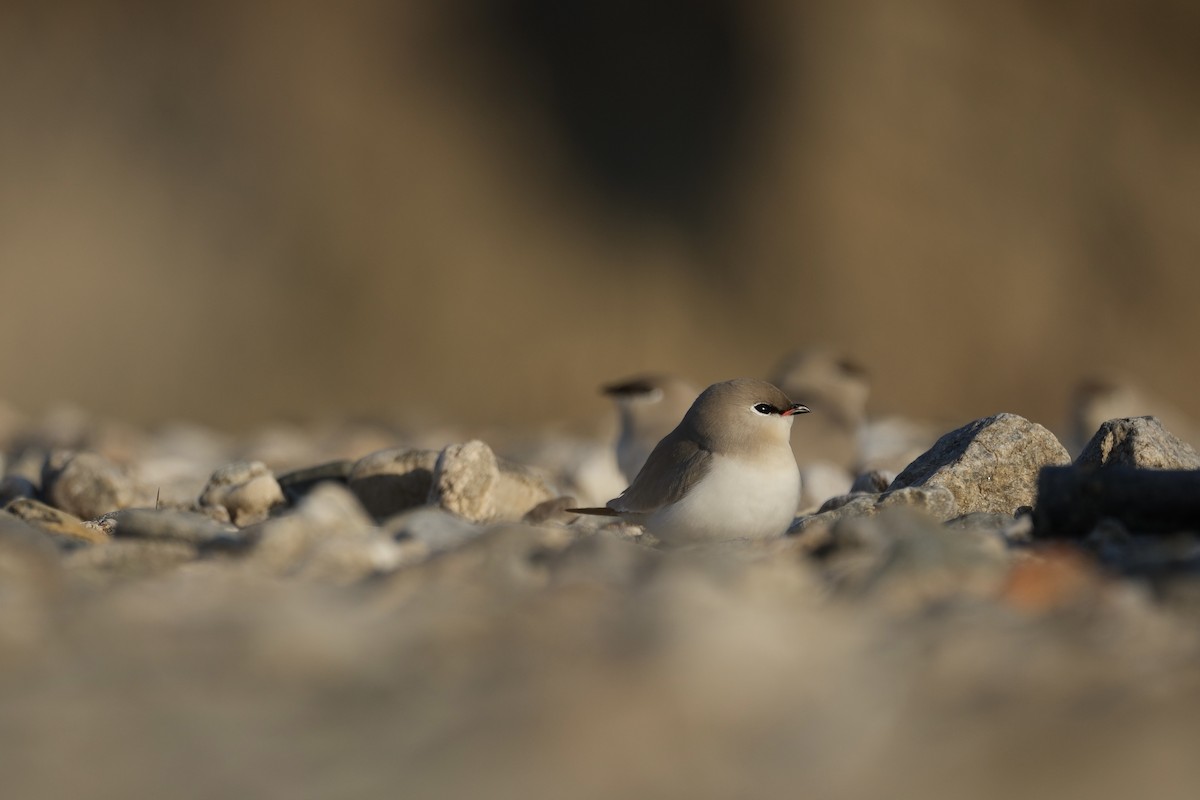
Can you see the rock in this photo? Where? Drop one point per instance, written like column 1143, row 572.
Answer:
column 128, row 558
column 171, row 525
column 65, row 529
column 246, row 489
column 873, row 482
column 500, row 561
column 989, row 465
column 908, row 560
column 1137, row 442
column 29, row 559
column 30, row 577
column 518, row 491
column 14, row 486
column 86, row 484
column 1073, row 500
column 604, row 558
column 552, row 510
column 435, row 528
column 1101, row 398
column 328, row 537
column 463, row 479
column 297, row 483
column 390, row 481
column 936, row 501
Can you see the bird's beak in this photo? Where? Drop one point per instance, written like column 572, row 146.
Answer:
column 795, row 409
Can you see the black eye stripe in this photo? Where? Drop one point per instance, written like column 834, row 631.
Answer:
column 766, row 408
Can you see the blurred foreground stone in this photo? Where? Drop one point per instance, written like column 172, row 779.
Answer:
column 356, row 628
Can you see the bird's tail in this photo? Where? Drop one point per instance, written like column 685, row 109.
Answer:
column 596, row 512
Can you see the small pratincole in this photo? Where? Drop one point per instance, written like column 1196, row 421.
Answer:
column 650, row 407
column 725, row 472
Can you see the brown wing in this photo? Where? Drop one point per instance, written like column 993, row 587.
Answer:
column 674, row 466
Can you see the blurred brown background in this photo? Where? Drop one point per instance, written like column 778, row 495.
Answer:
column 237, row 212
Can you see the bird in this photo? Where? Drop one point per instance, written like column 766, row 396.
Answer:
column 650, row 406
column 725, row 472
column 838, row 387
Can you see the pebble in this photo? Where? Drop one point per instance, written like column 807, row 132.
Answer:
column 170, row 525
column 1137, row 442
column 468, row 480
column 910, row 560
column 991, row 464
column 86, row 484
column 246, row 489
column 328, row 536
column 435, row 528
column 67, row 529
column 127, row 558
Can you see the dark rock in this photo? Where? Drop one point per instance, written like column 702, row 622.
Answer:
column 14, row 486
column 1137, row 442
column 989, row 465
column 297, row 483
column 390, row 481
column 1073, row 500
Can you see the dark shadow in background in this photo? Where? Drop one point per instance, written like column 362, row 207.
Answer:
column 654, row 99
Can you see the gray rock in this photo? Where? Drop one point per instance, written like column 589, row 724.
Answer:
column 1137, row 442
column 297, row 483
column 328, row 537
column 936, row 501
column 990, row 465
column 127, row 559
column 390, row 481
column 435, row 528
column 908, row 560
column 86, row 484
column 246, row 489
column 66, row 529
column 171, row 525
column 814, row 532
column 842, row 508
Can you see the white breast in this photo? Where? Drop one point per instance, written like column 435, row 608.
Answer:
column 735, row 500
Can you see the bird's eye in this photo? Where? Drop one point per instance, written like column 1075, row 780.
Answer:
column 763, row 408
